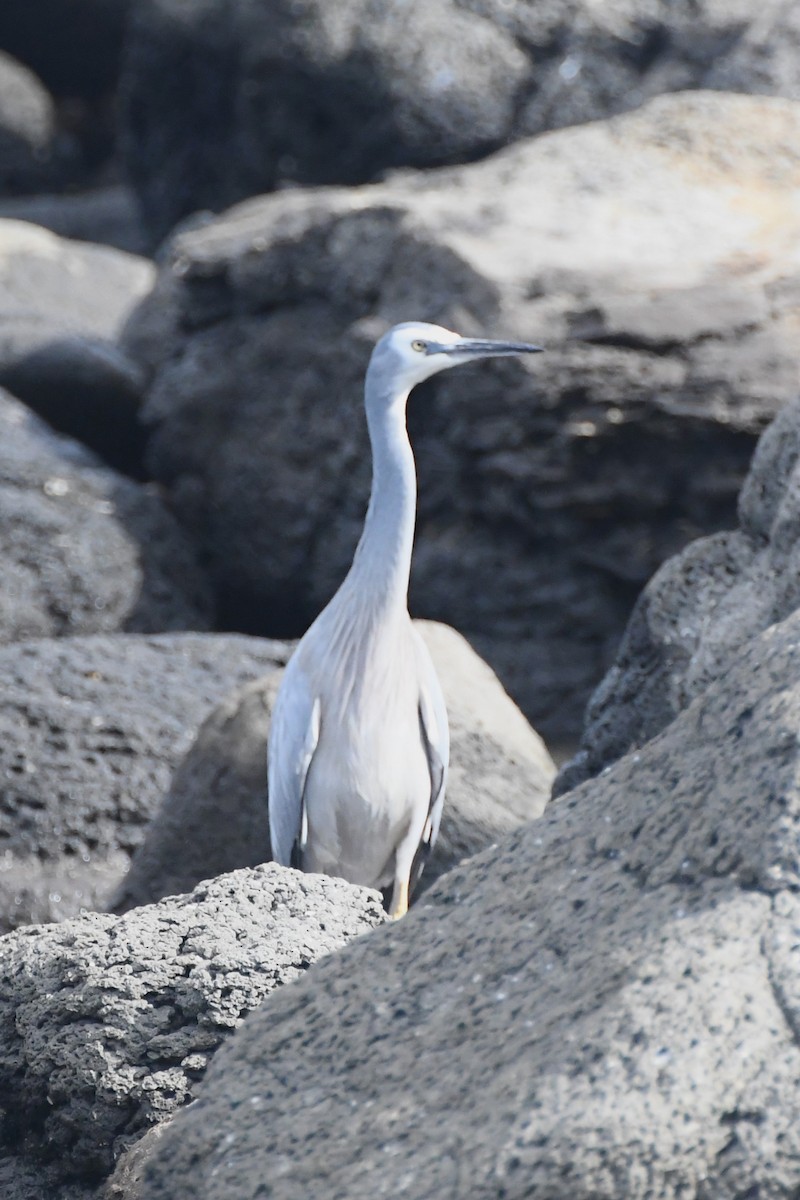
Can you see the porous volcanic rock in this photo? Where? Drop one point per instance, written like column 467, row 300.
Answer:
column 91, row 730
column 695, row 615
column 64, row 304
column 84, row 549
column 324, row 93
column 108, row 1023
column 500, row 776
column 656, row 257
column 606, row 1004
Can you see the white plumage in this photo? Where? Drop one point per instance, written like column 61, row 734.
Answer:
column 359, row 743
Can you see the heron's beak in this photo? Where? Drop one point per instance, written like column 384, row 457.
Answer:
column 486, row 348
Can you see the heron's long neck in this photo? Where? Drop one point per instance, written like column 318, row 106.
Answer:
column 383, row 559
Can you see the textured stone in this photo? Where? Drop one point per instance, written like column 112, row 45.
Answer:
column 654, row 255
column 108, row 1023
column 91, row 730
column 500, row 777
column 701, row 608
column 85, row 550
column 603, row 1005
column 338, row 93
column 63, row 306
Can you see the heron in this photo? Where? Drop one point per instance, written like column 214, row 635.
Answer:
column 359, row 741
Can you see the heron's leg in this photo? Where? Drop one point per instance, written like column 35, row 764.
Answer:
column 399, row 906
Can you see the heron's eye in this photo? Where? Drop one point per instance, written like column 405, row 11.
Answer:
column 420, row 346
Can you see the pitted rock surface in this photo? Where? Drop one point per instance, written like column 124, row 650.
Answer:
column 91, row 730
column 108, row 1023
column 85, row 550
column 500, row 776
column 549, row 491
column 701, row 609
column 603, row 1005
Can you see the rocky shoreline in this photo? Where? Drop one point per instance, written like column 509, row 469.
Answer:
column 208, row 214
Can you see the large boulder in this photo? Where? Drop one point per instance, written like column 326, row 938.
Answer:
column 323, row 93
column 91, row 731
column 500, row 777
column 85, row 550
column 107, row 1024
column 64, row 305
column 695, row 615
column 607, row 1004
column 549, row 491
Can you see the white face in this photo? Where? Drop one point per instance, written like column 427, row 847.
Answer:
column 412, row 347
column 414, row 351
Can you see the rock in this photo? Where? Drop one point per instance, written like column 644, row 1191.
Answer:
column 700, row 609
column 85, row 550
column 337, row 94
column 549, row 491
column 28, row 149
column 606, row 1004
column 105, row 215
column 108, row 1023
column 500, row 777
column 23, row 1180
column 64, row 305
column 127, row 1178
column 91, row 731
column 79, row 56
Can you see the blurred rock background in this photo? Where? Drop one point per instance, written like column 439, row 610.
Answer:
column 209, row 211
column 655, row 255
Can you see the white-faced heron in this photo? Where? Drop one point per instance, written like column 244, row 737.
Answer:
column 359, row 743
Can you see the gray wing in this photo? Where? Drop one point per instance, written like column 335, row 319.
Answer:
column 293, row 737
column 436, row 739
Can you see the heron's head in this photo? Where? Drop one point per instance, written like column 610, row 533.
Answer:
column 413, row 351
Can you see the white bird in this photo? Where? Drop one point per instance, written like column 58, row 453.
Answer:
column 359, row 741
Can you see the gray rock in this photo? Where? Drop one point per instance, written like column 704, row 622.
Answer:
column 63, row 306
column 21, row 1179
column 85, row 550
column 337, row 94
column 214, row 818
column 549, row 493
column 700, row 609
column 91, row 731
column 604, row 1005
column 108, row 1023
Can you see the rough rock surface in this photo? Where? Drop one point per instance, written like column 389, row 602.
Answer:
column 695, row 615
column 63, row 305
column 338, row 93
column 108, row 1023
column 656, row 257
column 500, row 777
column 91, row 730
column 607, row 1004
column 85, row 550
